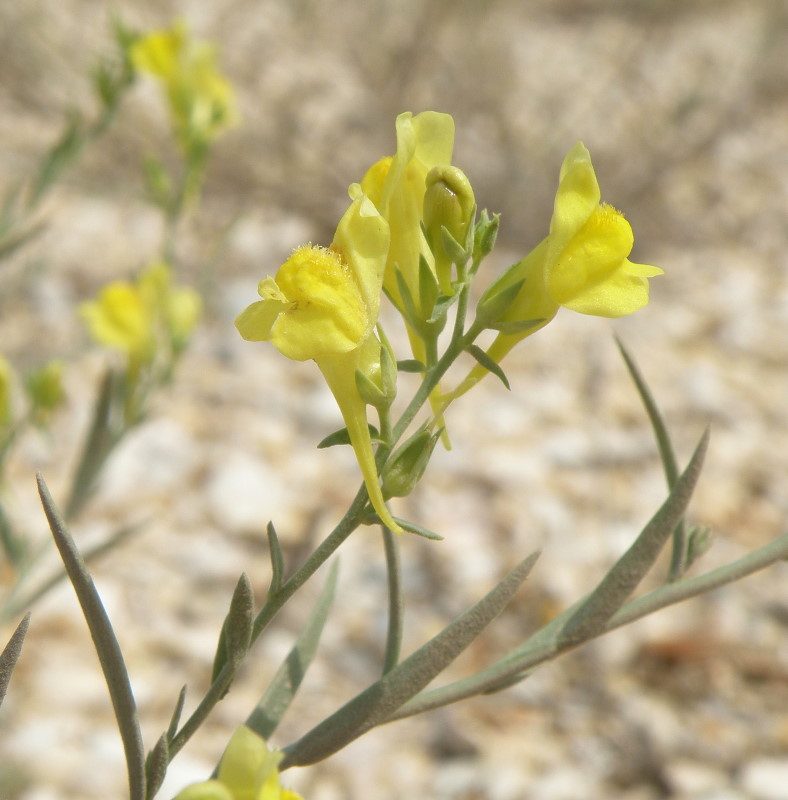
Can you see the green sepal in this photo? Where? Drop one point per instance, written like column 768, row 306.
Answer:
column 442, row 305
column 488, row 363
column 411, row 365
column 409, row 310
column 277, row 698
column 428, row 288
column 485, row 234
column 343, row 437
column 388, row 366
column 454, row 250
column 494, row 304
column 370, row 392
column 406, row 466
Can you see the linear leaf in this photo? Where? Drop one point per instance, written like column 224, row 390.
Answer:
column 679, row 561
column 280, row 693
column 10, row 654
column 105, row 642
column 488, row 363
column 382, row 698
column 277, row 560
column 592, row 614
column 172, row 728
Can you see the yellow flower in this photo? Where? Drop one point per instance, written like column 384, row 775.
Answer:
column 202, row 101
column 323, row 305
column 120, row 318
column 177, row 307
column 133, row 317
column 582, row 264
column 248, row 772
column 397, row 187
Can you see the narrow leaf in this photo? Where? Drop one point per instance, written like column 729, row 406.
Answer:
column 156, row 765
column 105, row 642
column 488, row 363
column 679, row 561
column 412, row 527
column 280, row 693
column 382, row 698
column 409, row 309
column 172, row 728
column 10, row 654
column 591, row 616
column 277, row 560
column 343, row 437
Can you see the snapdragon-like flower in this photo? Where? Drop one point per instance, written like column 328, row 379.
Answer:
column 582, row 265
column 248, row 771
column 201, row 100
column 323, row 305
column 397, row 185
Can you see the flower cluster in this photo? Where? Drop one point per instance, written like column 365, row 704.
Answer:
column 410, row 232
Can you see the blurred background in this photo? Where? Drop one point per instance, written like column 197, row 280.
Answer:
column 684, row 108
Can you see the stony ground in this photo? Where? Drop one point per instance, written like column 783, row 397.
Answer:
column 684, row 106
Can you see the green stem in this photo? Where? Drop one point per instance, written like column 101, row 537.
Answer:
column 396, row 606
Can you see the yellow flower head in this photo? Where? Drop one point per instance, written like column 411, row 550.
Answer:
column 248, row 772
column 397, row 186
column 582, row 264
column 202, row 101
column 323, row 305
column 120, row 318
column 133, row 317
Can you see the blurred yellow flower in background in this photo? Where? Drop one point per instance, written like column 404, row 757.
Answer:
column 140, row 318
column 201, row 100
column 6, row 390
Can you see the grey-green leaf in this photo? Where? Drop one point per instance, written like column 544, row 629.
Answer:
column 488, row 363
column 382, row 698
column 105, row 642
column 277, row 559
column 280, row 693
column 591, row 616
column 10, row 654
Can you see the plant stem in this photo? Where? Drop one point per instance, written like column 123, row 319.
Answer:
column 396, row 606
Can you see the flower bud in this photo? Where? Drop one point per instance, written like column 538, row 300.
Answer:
column 45, row 388
column 449, row 208
column 406, row 467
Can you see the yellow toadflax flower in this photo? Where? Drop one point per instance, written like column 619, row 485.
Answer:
column 133, row 317
column 397, row 185
column 323, row 305
column 248, row 772
column 202, row 101
column 582, row 264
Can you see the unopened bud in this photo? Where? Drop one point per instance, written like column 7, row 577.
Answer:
column 406, row 467
column 449, row 208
